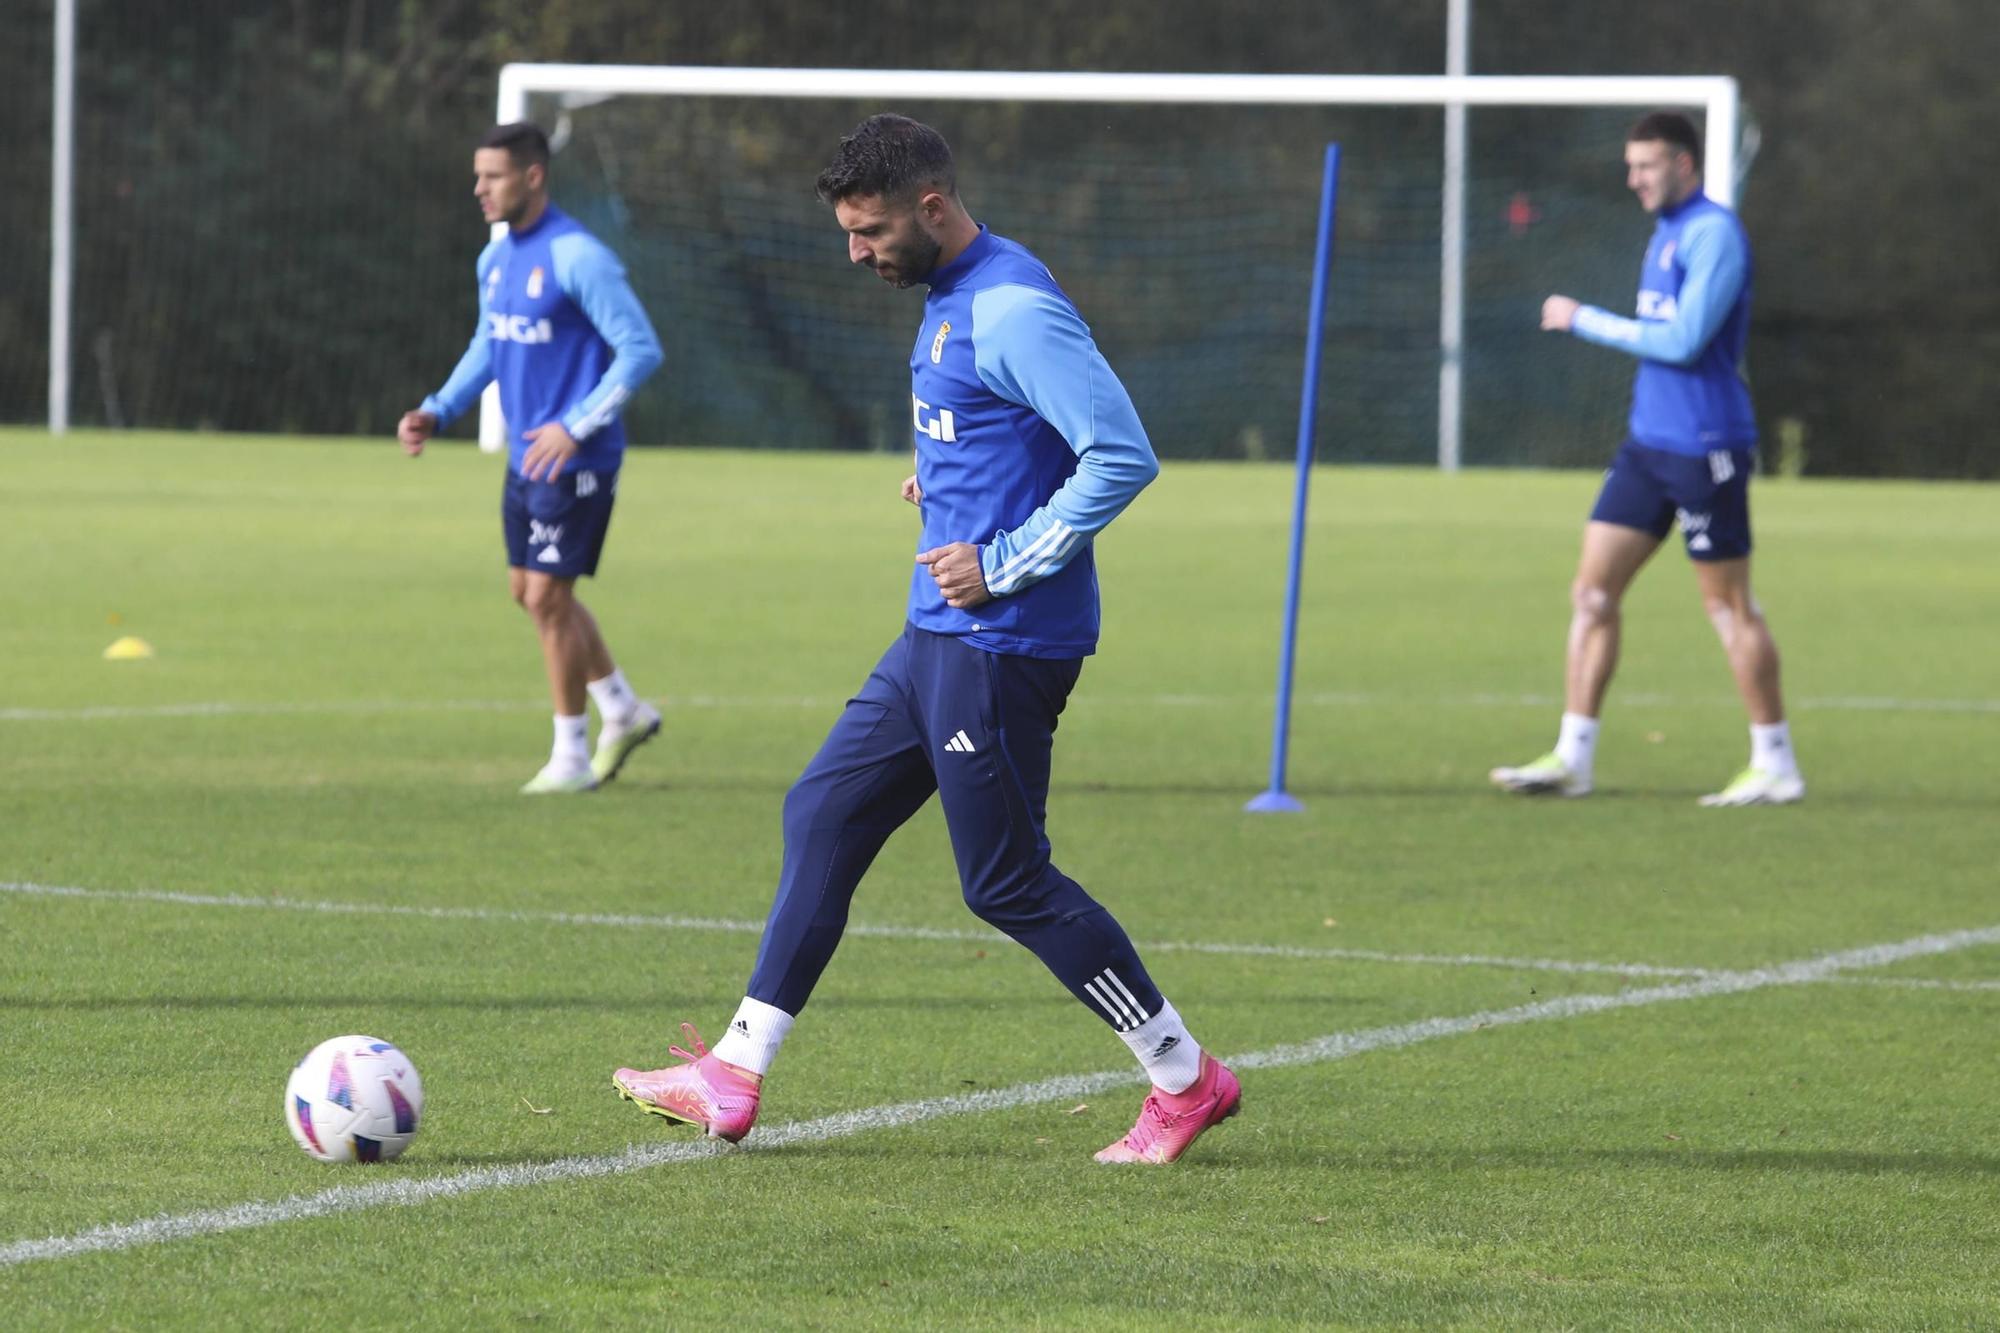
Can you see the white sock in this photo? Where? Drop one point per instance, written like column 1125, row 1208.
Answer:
column 1771, row 749
column 615, row 700
column 754, row 1036
column 1576, row 744
column 1171, row 1057
column 571, row 747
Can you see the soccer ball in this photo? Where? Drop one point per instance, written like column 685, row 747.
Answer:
column 354, row 1099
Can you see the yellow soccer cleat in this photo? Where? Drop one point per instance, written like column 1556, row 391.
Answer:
column 615, row 744
column 1545, row 776
column 1759, row 786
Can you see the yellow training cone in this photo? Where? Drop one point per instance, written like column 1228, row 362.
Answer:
column 128, row 649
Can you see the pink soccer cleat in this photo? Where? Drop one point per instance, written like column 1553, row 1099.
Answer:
column 719, row 1098
column 1170, row 1121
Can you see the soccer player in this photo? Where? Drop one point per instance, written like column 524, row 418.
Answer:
column 1692, row 445
column 562, row 332
column 1027, row 446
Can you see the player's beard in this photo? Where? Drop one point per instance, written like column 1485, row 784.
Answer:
column 915, row 264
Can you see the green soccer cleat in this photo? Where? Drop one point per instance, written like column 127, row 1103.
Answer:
column 560, row 779
column 1759, row 786
column 615, row 744
column 1545, row 776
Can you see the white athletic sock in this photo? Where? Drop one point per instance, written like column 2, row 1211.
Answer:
column 572, row 741
column 1171, row 1057
column 1771, row 749
column 754, row 1036
column 1576, row 744
column 615, row 701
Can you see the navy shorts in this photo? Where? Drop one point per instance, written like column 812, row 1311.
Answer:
column 557, row 527
column 1709, row 493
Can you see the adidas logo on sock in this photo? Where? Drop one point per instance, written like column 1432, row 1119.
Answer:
column 740, row 1026
column 1167, row 1045
column 961, row 744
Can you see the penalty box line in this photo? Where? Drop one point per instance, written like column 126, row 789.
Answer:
column 619, row 920
column 1335, row 1046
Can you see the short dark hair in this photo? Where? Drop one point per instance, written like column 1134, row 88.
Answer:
column 524, row 142
column 890, row 156
column 1670, row 128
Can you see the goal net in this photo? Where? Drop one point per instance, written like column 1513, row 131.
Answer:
column 1179, row 212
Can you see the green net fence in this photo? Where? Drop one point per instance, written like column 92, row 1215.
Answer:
column 1186, row 237
column 273, row 231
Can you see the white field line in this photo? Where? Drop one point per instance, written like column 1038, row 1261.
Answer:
column 1335, row 1046
column 1319, row 699
column 1917, row 983
column 616, row 920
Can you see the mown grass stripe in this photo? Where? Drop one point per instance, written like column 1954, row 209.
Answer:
column 863, row 929
column 1335, row 1046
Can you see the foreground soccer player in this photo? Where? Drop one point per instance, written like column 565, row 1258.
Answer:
column 1692, row 446
column 568, row 341
column 1027, row 446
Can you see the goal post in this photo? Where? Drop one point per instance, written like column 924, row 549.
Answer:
column 1177, row 209
column 1715, row 97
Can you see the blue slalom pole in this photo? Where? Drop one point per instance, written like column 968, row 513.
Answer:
column 1276, row 799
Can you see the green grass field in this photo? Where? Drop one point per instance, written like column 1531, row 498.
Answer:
column 216, row 858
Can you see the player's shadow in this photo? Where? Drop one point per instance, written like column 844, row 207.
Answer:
column 1791, row 1161
column 1110, row 1111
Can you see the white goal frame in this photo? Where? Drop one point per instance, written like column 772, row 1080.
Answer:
column 1716, row 95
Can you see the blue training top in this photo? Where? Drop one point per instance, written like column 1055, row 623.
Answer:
column 563, row 334
column 1027, row 446
column 1689, row 395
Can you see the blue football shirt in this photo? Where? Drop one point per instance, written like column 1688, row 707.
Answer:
column 1689, row 395
column 1027, row 446
column 562, row 332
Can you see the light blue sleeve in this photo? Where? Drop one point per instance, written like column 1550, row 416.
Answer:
column 1716, row 267
column 590, row 275
column 1031, row 348
column 474, row 370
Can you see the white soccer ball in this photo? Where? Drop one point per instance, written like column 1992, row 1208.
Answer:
column 354, row 1099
